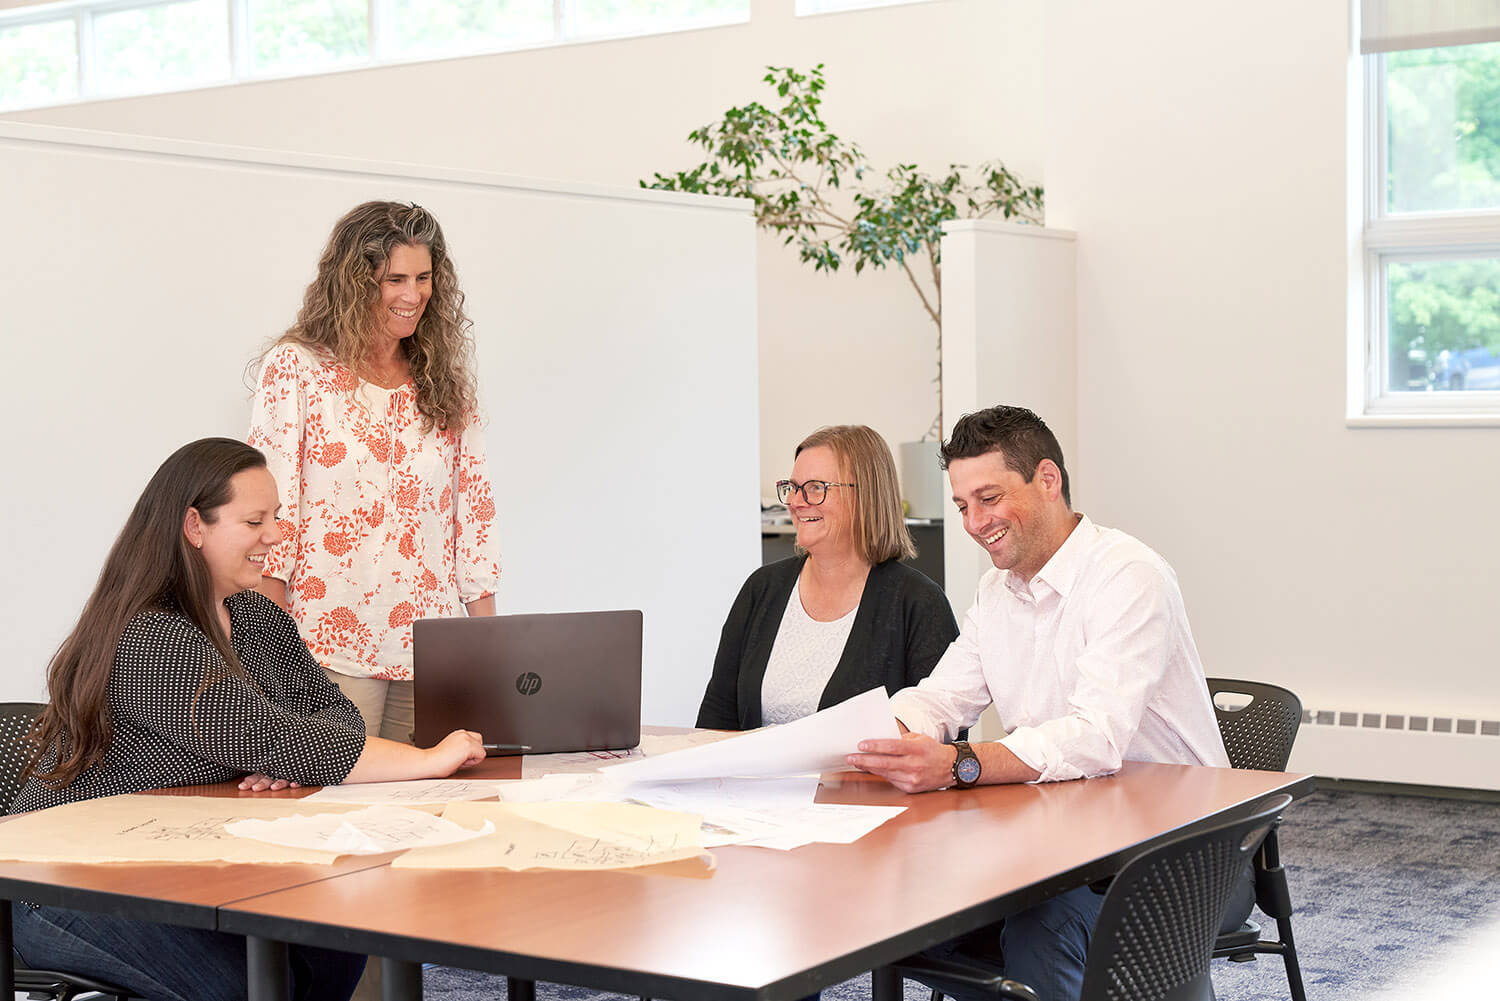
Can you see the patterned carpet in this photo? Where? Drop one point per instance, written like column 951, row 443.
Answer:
column 1393, row 893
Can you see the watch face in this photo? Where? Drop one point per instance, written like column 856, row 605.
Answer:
column 967, row 769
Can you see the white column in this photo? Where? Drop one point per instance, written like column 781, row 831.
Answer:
column 1009, row 336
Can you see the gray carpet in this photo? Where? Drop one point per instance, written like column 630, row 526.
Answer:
column 1385, row 887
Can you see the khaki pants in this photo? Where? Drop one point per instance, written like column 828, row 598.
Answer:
column 386, row 705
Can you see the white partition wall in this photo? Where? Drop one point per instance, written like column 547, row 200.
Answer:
column 1008, row 337
column 617, row 367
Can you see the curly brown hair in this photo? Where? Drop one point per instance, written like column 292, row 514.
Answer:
column 336, row 318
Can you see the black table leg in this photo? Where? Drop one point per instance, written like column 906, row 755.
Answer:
column 7, row 947
column 270, row 977
column 400, row 980
column 520, row 990
column 885, row 984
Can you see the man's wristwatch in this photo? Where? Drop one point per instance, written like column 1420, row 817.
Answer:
column 965, row 766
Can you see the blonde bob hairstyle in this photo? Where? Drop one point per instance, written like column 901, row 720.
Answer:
column 337, row 318
column 864, row 459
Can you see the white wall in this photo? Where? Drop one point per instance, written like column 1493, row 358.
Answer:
column 932, row 83
column 1009, row 336
column 139, row 276
column 1200, row 152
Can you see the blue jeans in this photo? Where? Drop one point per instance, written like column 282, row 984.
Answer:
column 1044, row 947
column 165, row 963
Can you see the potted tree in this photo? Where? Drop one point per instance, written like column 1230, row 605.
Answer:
column 819, row 192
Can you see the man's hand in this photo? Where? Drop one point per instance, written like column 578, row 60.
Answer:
column 260, row 782
column 915, row 763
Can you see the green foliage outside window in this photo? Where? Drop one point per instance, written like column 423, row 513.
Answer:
column 433, row 26
column 1442, row 155
column 38, row 63
column 294, row 35
column 165, row 45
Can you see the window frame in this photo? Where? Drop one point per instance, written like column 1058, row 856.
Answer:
column 1407, row 236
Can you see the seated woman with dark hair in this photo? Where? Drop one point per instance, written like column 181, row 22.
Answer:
column 177, row 673
column 843, row 617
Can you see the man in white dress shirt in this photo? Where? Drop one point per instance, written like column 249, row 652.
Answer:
column 1079, row 638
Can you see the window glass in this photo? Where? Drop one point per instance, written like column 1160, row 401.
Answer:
column 1443, row 129
column 1444, row 322
column 153, row 48
column 421, row 27
column 295, row 36
column 609, row 17
column 38, row 63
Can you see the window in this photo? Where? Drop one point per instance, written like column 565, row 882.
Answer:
column 38, row 63
column 1431, row 345
column 304, row 36
column 104, row 48
column 442, row 27
column 619, row 17
column 170, row 45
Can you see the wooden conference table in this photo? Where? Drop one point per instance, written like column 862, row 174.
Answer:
column 763, row 925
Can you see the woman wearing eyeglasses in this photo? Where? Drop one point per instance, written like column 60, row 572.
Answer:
column 844, row 616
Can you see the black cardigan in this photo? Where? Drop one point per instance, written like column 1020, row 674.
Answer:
column 903, row 626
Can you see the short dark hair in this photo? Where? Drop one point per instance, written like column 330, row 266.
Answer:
column 1019, row 435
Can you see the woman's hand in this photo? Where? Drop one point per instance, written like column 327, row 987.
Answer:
column 459, row 749
column 261, row 782
column 389, row 761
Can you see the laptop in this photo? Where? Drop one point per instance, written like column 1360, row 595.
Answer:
column 566, row 681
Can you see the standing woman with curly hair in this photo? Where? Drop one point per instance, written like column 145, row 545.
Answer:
column 366, row 410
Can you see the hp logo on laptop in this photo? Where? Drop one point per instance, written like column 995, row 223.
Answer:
column 529, row 683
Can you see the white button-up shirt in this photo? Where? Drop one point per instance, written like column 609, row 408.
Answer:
column 1089, row 664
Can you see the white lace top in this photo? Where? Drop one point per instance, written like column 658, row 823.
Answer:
column 802, row 660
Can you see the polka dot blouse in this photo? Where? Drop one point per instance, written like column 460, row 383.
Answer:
column 180, row 718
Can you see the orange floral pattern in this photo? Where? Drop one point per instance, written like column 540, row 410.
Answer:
column 381, row 524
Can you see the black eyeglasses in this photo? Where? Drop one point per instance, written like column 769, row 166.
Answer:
column 814, row 492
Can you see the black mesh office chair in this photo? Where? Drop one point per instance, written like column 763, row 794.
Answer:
column 1259, row 734
column 1156, row 929
column 15, row 722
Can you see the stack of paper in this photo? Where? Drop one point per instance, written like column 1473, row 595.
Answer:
column 562, row 836
column 371, row 831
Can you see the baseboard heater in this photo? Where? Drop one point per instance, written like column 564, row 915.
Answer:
column 1459, row 751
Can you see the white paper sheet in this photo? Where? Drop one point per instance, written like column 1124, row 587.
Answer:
column 654, row 745
column 576, row 786
column 563, row 836
column 438, row 791
column 712, row 796
column 814, row 743
column 786, row 828
column 535, row 766
column 370, row 831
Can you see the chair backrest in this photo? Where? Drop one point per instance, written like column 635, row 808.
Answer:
column 1259, row 734
column 1156, row 928
column 15, row 753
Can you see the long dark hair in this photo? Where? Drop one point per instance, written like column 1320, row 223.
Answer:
column 151, row 565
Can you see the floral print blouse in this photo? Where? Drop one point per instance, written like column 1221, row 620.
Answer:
column 381, row 523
